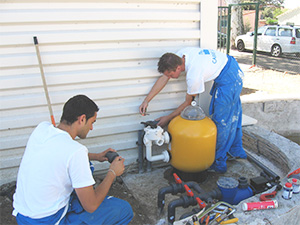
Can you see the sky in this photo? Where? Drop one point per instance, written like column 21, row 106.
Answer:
column 291, row 4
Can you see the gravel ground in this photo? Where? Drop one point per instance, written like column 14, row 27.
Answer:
column 257, row 81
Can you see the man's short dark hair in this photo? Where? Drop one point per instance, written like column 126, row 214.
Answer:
column 77, row 106
column 168, row 62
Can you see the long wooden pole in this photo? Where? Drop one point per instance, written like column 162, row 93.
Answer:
column 36, row 44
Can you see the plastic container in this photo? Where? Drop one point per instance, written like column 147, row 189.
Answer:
column 193, row 143
column 260, row 205
column 287, row 191
column 228, row 187
column 296, row 186
column 243, row 191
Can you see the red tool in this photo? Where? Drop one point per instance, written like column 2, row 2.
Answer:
column 206, row 218
column 268, row 196
column 297, row 171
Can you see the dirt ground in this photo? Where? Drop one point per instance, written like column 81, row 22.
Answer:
column 256, row 80
column 118, row 190
column 270, row 81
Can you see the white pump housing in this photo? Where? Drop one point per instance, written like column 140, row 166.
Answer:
column 159, row 137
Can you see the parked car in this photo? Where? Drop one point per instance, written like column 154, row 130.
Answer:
column 272, row 38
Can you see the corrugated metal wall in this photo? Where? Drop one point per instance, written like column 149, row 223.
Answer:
column 107, row 50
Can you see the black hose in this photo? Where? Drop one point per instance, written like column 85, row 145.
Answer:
column 141, row 150
column 269, row 172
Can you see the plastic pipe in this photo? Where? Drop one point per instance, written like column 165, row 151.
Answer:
column 141, row 152
column 164, row 156
column 159, row 137
column 186, row 201
column 175, row 189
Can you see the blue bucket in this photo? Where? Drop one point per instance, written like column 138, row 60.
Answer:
column 228, row 187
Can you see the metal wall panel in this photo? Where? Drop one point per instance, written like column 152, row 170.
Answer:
column 107, row 50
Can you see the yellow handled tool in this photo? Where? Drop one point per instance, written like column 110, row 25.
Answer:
column 233, row 220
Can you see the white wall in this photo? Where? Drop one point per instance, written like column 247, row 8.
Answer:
column 107, row 50
column 290, row 16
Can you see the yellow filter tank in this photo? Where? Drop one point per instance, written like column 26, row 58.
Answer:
column 193, row 141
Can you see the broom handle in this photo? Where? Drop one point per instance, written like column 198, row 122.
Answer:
column 36, row 44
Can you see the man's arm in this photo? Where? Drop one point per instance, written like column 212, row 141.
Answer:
column 100, row 156
column 164, row 120
column 157, row 87
column 91, row 198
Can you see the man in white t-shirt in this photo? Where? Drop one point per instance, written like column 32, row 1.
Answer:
column 202, row 65
column 54, row 165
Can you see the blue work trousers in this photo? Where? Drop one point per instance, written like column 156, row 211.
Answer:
column 111, row 211
column 226, row 111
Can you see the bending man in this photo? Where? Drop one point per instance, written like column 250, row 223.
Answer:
column 202, row 65
column 54, row 165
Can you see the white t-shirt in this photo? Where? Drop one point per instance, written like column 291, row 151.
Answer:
column 201, row 65
column 52, row 166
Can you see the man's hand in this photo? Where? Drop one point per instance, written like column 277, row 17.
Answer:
column 118, row 165
column 91, row 198
column 143, row 108
column 100, row 156
column 163, row 121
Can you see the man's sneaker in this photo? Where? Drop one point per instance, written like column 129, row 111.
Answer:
column 217, row 169
column 238, row 153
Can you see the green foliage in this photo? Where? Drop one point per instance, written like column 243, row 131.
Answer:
column 271, row 14
column 268, row 12
column 279, row 11
column 271, row 21
column 263, row 3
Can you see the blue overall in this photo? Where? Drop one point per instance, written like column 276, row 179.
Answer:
column 226, row 111
column 111, row 211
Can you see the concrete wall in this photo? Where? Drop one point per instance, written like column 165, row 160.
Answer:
column 281, row 116
column 107, row 50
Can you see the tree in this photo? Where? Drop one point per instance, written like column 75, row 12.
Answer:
column 263, row 3
column 237, row 25
column 270, row 14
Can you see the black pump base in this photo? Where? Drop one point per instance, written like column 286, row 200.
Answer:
column 198, row 177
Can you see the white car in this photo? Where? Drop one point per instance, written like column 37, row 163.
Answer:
column 272, row 38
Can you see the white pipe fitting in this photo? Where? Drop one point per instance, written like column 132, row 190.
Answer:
column 159, row 137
